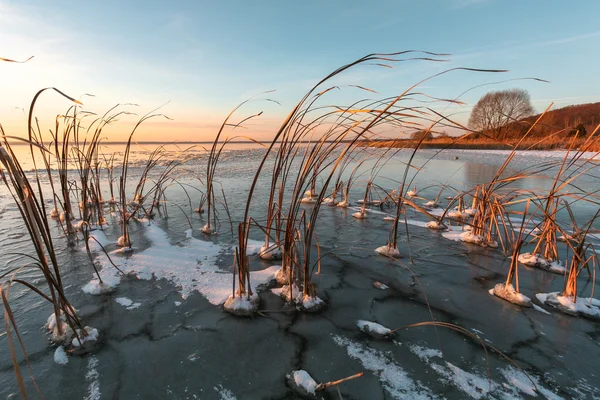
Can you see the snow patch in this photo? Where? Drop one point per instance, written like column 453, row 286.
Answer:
column 360, row 215
column 519, row 380
column 303, row 381
column 191, row 266
column 538, row 261
column 127, row 303
column 311, row 303
column 57, row 325
column 290, row 294
column 242, row 305
column 343, row 204
column 121, row 242
column 98, row 240
column 470, row 237
column 373, row 328
column 473, row 385
column 224, row 394
column 91, row 335
column 208, row 229
column 270, row 253
column 430, row 204
column 60, row 356
column 388, row 251
column 93, row 377
column 54, row 213
column 294, row 295
column 424, row 353
column 584, row 307
column 508, row 293
column 380, row 285
column 95, row 287
column 436, row 225
column 307, row 200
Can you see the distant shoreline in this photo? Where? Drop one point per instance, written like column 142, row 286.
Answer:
column 534, row 144
column 447, row 143
column 266, row 142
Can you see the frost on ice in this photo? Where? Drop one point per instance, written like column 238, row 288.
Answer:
column 127, row 303
column 190, row 266
column 394, row 379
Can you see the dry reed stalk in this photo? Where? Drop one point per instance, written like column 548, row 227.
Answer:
column 32, row 211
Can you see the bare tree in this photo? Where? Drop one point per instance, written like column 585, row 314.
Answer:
column 496, row 110
column 420, row 134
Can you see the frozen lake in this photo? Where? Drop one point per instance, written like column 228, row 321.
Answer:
column 163, row 333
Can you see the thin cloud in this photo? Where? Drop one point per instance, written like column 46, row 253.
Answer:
column 456, row 4
column 570, row 39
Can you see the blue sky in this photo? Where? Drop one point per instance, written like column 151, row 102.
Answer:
column 203, row 57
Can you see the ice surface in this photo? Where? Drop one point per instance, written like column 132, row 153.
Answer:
column 254, row 246
column 453, row 235
column 394, row 379
column 540, row 309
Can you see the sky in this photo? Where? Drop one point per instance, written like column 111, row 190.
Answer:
column 197, row 60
